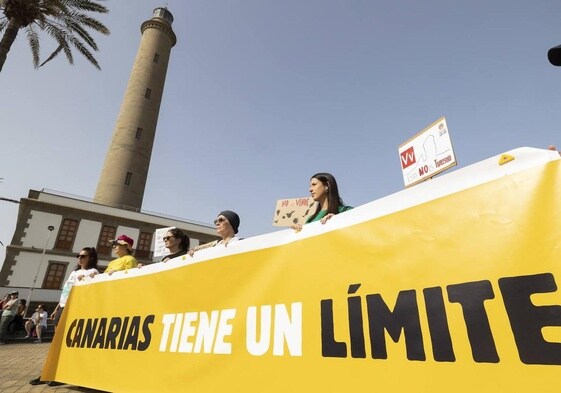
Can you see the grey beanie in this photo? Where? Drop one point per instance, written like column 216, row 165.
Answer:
column 233, row 218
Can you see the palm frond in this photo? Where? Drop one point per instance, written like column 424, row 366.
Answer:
column 75, row 27
column 54, row 10
column 33, row 39
column 85, row 5
column 62, row 38
column 52, row 56
column 84, row 51
column 90, row 22
column 66, row 21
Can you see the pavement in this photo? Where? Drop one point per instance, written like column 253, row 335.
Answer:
column 21, row 362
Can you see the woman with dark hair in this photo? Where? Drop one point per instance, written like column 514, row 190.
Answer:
column 324, row 190
column 176, row 242
column 86, row 266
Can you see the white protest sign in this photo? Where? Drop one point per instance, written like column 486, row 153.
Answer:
column 427, row 153
column 159, row 248
column 293, row 211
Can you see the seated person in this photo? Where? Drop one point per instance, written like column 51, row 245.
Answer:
column 37, row 322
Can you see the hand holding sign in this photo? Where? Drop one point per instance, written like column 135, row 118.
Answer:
column 293, row 212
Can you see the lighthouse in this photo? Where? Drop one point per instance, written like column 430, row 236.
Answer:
column 125, row 170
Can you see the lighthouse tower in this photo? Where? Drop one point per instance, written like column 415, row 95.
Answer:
column 124, row 173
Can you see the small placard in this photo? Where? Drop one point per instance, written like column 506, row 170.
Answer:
column 427, row 153
column 205, row 245
column 293, row 211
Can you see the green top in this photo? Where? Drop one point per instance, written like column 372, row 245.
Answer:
column 323, row 213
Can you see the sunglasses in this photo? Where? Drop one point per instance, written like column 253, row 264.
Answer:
column 166, row 238
column 79, row 256
column 219, row 220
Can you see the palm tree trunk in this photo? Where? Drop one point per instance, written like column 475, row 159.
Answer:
column 7, row 40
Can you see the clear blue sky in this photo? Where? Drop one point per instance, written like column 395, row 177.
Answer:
column 261, row 94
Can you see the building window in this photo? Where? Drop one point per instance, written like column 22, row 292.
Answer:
column 147, row 94
column 143, row 247
column 128, row 179
column 55, row 275
column 66, row 235
column 156, row 58
column 107, row 234
column 138, row 133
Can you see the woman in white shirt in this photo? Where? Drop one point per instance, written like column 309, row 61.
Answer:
column 227, row 224
column 87, row 266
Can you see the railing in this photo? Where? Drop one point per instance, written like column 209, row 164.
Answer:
column 123, row 207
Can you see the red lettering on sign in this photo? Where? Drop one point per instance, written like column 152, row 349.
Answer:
column 445, row 160
column 423, row 170
column 407, row 157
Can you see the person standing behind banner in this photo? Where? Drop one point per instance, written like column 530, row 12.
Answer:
column 324, row 190
column 122, row 247
column 86, row 267
column 227, row 225
column 176, row 242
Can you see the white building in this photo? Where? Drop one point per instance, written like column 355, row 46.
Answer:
column 76, row 223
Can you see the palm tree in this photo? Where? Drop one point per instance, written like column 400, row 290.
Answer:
column 64, row 20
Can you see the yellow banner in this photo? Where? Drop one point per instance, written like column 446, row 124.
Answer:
column 455, row 294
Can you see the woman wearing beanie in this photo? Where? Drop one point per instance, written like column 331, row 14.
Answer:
column 227, row 224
